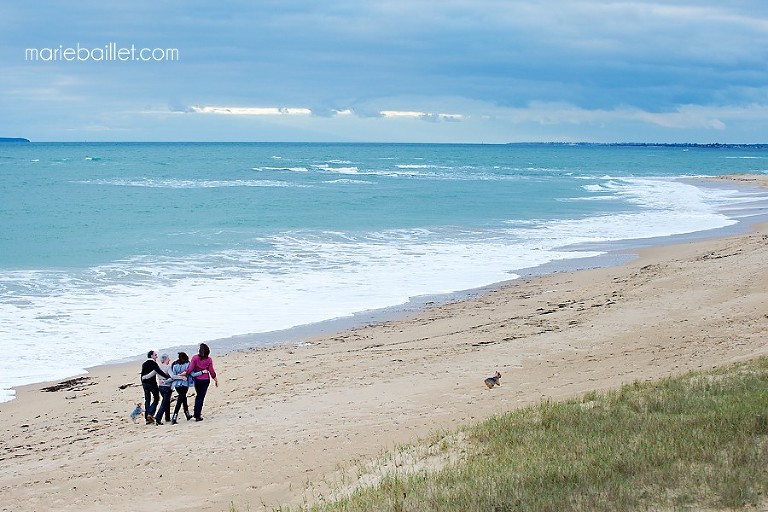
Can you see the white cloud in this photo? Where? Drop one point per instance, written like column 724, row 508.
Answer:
column 251, row 111
column 300, row 111
column 541, row 113
column 421, row 115
column 402, row 113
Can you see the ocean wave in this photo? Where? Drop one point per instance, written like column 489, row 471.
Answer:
column 352, row 171
column 64, row 321
column 298, row 277
column 186, row 184
column 350, row 182
column 292, row 169
column 340, row 170
column 591, row 198
column 595, row 188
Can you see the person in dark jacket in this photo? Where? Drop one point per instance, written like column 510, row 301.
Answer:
column 149, row 372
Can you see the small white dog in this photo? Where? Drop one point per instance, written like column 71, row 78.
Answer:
column 136, row 412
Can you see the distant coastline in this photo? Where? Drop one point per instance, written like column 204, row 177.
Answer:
column 13, row 139
column 646, row 144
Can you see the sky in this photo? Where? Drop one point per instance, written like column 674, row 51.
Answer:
column 474, row 71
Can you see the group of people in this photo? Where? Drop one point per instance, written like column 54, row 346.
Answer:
column 178, row 375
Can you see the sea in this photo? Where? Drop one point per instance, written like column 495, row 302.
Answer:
column 108, row 250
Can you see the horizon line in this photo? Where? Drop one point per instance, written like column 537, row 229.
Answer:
column 21, row 140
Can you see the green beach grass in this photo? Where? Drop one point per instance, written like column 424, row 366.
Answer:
column 693, row 442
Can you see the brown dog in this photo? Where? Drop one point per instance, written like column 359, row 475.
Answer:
column 493, row 381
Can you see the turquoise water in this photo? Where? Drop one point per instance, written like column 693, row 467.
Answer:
column 107, row 250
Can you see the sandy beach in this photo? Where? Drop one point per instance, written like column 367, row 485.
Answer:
column 285, row 420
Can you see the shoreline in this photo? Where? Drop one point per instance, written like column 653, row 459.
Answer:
column 612, row 253
column 615, row 253
column 285, row 418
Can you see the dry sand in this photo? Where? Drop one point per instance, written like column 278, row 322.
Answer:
column 284, row 420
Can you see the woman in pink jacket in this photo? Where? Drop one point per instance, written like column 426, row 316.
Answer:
column 201, row 368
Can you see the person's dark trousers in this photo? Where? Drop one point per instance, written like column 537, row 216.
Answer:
column 165, row 404
column 201, row 388
column 181, row 400
column 151, row 395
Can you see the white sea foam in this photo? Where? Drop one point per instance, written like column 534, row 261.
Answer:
column 352, row 171
column 595, row 188
column 61, row 321
column 341, row 170
column 350, row 181
column 587, row 199
column 124, row 309
column 292, row 169
column 668, row 207
column 177, row 183
column 426, row 172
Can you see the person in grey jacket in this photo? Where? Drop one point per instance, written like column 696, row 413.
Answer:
column 181, row 383
column 165, row 391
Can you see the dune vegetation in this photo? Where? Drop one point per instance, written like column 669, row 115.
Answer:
column 690, row 442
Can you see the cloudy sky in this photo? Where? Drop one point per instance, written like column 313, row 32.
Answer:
column 389, row 70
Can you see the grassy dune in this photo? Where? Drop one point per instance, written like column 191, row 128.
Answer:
column 694, row 442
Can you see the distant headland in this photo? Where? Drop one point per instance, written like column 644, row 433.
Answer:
column 13, row 139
